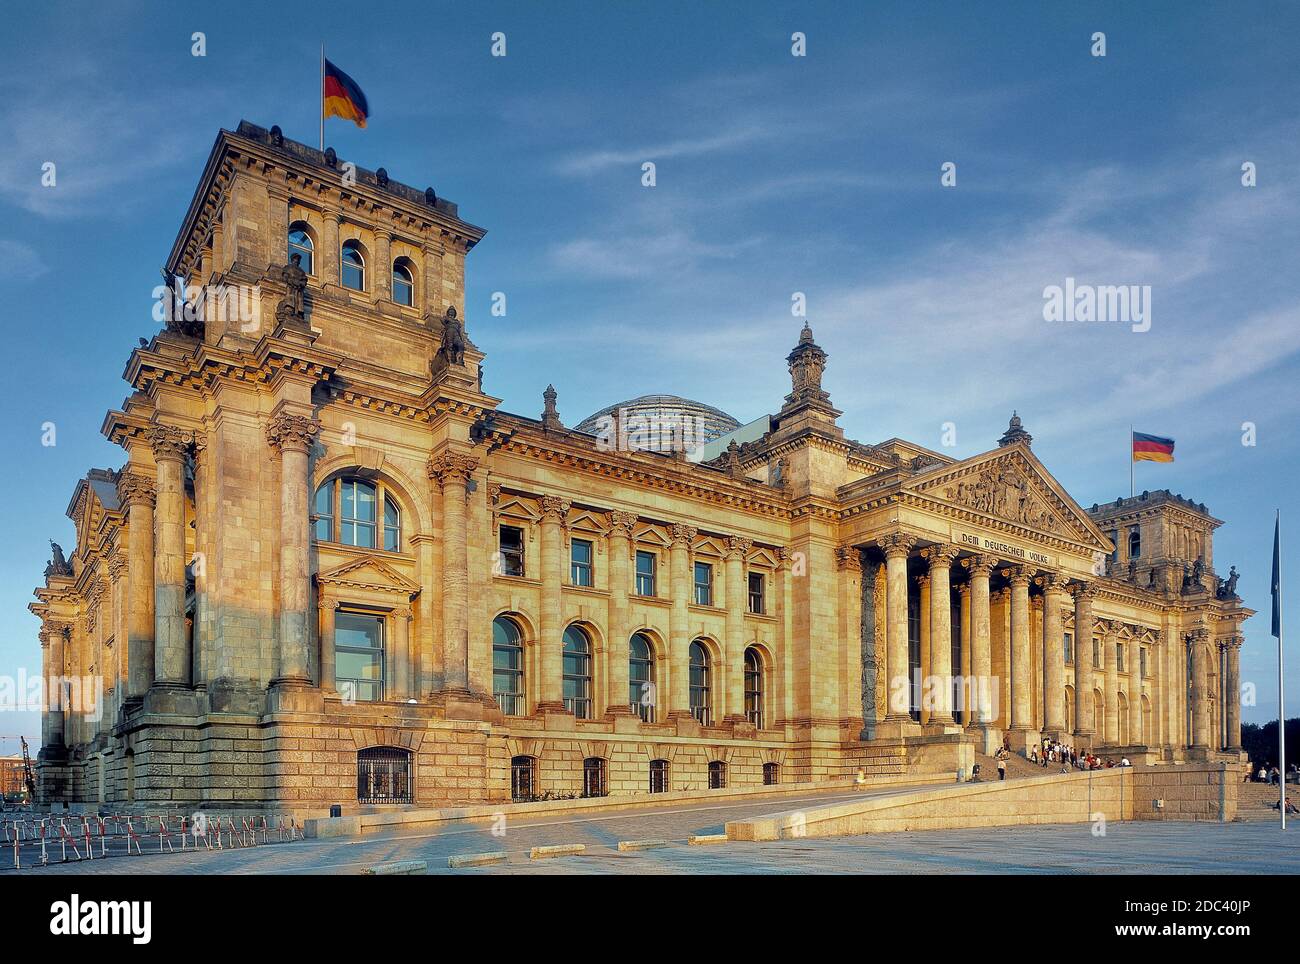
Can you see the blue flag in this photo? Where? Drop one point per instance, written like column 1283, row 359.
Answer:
column 1277, row 578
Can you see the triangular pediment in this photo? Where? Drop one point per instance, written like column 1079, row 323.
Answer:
column 368, row 572
column 1010, row 484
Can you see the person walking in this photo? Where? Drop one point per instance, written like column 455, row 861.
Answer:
column 1002, row 764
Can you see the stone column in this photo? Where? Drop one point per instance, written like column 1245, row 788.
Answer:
column 622, row 526
column 1021, row 702
column 555, row 513
column 401, row 654
column 1083, row 723
column 54, row 637
column 940, row 558
column 329, row 269
column 1232, row 692
column 383, row 266
column 1110, row 653
column 328, row 607
column 734, row 631
column 136, row 493
column 1054, row 590
column 679, row 558
column 964, row 670
column 981, row 657
column 293, row 435
column 896, row 547
column 918, row 685
column 171, row 645
column 1200, row 683
column 848, row 560
column 452, row 470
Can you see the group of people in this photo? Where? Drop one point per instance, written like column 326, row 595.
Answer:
column 1053, row 751
column 1271, row 775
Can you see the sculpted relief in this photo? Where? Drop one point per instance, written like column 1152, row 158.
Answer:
column 1001, row 492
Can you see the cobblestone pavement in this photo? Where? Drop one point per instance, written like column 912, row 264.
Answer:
column 1160, row 848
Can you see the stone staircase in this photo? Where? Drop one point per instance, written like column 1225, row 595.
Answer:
column 1255, row 801
column 1017, row 767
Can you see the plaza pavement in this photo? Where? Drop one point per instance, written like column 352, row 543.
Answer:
column 1126, row 848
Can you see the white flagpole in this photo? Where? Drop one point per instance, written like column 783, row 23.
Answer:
column 1281, row 699
column 322, row 95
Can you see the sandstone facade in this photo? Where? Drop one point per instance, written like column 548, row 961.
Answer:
column 331, row 570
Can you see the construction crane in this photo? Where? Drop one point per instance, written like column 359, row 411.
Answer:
column 28, row 776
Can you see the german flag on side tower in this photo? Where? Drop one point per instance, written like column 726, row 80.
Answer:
column 1152, row 448
column 341, row 97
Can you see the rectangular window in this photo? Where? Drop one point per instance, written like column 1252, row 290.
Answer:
column 1068, row 646
column 580, row 571
column 703, row 584
column 512, row 551
column 1119, row 655
column 1142, row 659
column 645, row 573
column 359, row 656
column 1096, row 654
column 756, row 593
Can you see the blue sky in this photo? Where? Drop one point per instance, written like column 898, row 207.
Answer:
column 775, row 174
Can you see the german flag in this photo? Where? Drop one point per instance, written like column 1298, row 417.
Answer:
column 1152, row 448
column 341, row 97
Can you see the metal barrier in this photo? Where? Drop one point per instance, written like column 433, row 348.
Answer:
column 125, row 834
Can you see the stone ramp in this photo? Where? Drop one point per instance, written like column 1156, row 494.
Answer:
column 1190, row 792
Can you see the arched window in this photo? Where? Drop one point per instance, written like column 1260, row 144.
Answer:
column 1134, row 543
column 658, row 776
column 593, row 777
column 641, row 677
column 754, row 687
column 523, row 778
column 346, row 512
column 300, row 243
column 403, row 283
column 771, row 774
column 384, row 775
column 577, row 673
column 508, row 666
column 354, row 266
column 699, row 683
column 717, row 775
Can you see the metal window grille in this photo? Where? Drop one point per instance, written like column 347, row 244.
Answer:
column 384, row 775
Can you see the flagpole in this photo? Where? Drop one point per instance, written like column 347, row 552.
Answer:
column 322, row 95
column 1281, row 698
column 1130, row 461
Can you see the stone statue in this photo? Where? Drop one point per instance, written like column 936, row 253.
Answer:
column 1198, row 570
column 59, row 566
column 1228, row 587
column 293, row 306
column 452, row 349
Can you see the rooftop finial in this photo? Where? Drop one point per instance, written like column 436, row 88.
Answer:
column 550, row 417
column 1015, row 432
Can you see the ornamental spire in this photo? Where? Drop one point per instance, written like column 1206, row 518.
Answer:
column 1015, row 432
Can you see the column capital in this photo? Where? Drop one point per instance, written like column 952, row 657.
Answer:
column 896, row 545
column 941, row 554
column 451, row 466
column 116, row 566
column 1083, row 592
column 292, row 433
column 555, row 508
column 622, row 524
column 1053, row 583
column 1019, row 576
column 1234, row 642
column 923, row 580
column 738, row 547
column 401, row 613
column 1200, row 634
column 981, row 564
column 168, row 443
column 134, row 488
column 682, row 535
column 848, row 559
